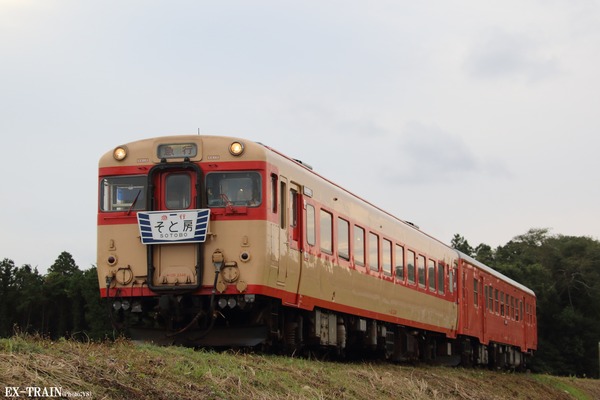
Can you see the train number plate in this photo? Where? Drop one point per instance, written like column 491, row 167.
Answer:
column 176, row 226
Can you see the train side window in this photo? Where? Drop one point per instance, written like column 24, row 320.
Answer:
column 421, row 269
column 490, row 299
column 343, row 236
column 122, row 193
column 294, row 228
column 310, row 224
column 516, row 309
column 410, row 263
column 326, row 229
column 475, row 292
column 496, row 304
column 399, row 262
column 274, row 185
column 294, row 208
column 387, row 257
column 282, row 192
column 521, row 309
column 359, row 246
column 451, row 280
column 485, row 297
column 431, row 274
column 441, row 274
column 373, row 252
column 502, row 304
column 512, row 307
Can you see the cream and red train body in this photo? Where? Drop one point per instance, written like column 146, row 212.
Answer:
column 281, row 256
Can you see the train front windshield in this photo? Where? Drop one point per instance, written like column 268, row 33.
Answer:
column 128, row 193
column 234, row 188
column 123, row 193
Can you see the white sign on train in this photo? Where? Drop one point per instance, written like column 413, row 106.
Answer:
column 176, row 226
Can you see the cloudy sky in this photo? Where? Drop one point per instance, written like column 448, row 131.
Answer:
column 471, row 117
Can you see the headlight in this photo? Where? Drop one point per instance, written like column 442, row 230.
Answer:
column 120, row 153
column 236, row 148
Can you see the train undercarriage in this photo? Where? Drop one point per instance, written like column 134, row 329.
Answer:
column 252, row 321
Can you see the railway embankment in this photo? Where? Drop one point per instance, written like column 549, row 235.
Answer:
column 41, row 368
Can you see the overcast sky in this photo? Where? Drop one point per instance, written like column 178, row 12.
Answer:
column 471, row 117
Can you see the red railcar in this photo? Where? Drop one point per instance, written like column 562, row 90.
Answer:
column 497, row 311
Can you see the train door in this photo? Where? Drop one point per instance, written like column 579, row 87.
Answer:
column 465, row 309
column 482, row 304
column 290, row 225
column 295, row 211
column 174, row 265
column 470, row 293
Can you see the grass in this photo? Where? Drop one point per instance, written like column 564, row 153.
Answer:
column 565, row 385
column 123, row 370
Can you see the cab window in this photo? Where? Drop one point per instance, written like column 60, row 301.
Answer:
column 178, row 189
column 234, row 189
column 123, row 193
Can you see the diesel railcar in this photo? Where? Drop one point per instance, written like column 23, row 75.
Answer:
column 219, row 241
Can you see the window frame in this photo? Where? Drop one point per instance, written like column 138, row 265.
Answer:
column 358, row 245
column 431, row 275
column 411, row 267
column 399, row 256
column 256, row 182
column 311, row 225
column 373, row 254
column 421, row 270
column 111, row 185
column 387, row 257
column 441, row 278
column 343, row 238
column 326, row 235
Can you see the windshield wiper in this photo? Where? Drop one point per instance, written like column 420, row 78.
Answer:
column 134, row 201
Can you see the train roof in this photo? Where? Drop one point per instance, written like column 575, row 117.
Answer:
column 309, row 168
column 495, row 273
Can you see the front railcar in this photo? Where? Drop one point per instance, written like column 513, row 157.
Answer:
column 183, row 239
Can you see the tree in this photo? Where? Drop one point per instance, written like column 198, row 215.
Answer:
column 97, row 316
column 7, row 296
column 29, row 285
column 64, row 265
column 485, row 254
column 461, row 244
column 564, row 273
column 523, row 249
column 64, row 308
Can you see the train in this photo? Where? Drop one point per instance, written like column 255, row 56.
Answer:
column 214, row 241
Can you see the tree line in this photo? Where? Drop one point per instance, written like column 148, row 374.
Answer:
column 63, row 303
column 563, row 271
